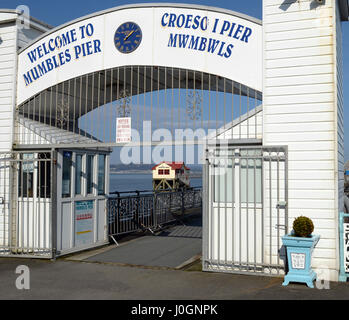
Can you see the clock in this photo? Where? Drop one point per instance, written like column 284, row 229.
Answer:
column 128, row 37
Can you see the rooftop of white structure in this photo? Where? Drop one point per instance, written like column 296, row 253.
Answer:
column 34, row 21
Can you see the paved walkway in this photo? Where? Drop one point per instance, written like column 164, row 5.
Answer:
column 133, row 271
column 80, row 280
column 171, row 248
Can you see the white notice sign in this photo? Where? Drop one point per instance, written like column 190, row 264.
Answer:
column 123, row 130
column 346, row 247
column 83, row 222
column 298, row 260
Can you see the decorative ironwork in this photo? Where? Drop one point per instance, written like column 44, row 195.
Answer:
column 62, row 113
column 194, row 102
column 128, row 214
column 124, row 109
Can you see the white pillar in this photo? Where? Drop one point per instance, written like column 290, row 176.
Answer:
column 303, row 109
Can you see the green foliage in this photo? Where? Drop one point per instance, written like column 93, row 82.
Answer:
column 303, row 227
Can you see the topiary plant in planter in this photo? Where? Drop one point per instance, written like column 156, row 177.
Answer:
column 299, row 247
column 303, row 227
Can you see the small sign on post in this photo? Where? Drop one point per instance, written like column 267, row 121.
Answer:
column 346, row 247
column 123, row 130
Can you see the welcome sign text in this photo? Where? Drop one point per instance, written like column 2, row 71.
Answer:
column 210, row 45
column 54, row 53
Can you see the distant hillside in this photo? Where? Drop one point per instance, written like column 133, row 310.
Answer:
column 128, row 167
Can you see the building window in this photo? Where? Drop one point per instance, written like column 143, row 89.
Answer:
column 251, row 181
column 101, row 174
column 161, row 171
column 166, row 171
column 26, row 175
column 41, row 168
column 66, row 177
column 244, row 173
column 44, row 175
column 78, row 174
column 223, row 182
column 89, row 174
column 251, row 176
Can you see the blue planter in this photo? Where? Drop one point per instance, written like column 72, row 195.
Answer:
column 299, row 251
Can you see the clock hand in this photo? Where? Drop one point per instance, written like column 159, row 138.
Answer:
column 129, row 35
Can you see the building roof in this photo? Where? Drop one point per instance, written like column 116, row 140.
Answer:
column 35, row 22
column 55, row 135
column 174, row 165
column 220, row 131
column 344, row 9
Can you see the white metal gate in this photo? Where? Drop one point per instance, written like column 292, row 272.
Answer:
column 26, row 204
column 245, row 209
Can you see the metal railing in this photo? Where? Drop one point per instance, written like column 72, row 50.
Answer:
column 170, row 98
column 147, row 210
column 26, row 201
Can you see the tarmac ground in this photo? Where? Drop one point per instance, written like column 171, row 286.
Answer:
column 162, row 267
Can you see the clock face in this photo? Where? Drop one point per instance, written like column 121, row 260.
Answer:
column 128, row 37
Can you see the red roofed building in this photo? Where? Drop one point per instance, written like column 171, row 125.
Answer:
column 170, row 175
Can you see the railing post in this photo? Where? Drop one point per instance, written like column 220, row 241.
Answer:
column 154, row 210
column 183, row 206
column 53, row 218
column 137, row 208
column 171, row 204
column 108, row 217
column 117, row 216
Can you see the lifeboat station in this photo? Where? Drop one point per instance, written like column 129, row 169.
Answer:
column 258, row 103
column 170, row 175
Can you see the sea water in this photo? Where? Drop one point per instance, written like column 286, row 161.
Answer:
column 139, row 181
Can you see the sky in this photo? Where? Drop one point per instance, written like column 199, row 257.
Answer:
column 58, row 12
